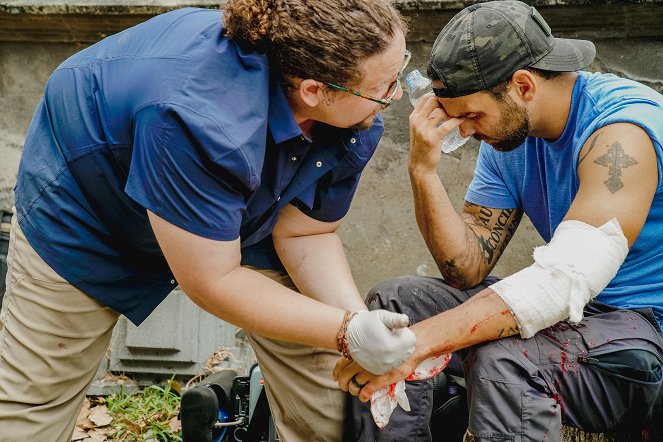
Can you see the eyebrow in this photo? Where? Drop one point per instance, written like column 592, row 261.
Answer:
column 461, row 115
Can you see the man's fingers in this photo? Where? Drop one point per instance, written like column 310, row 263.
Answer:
column 366, row 393
column 356, row 384
column 394, row 320
column 425, row 106
column 340, row 365
column 448, row 125
column 344, row 376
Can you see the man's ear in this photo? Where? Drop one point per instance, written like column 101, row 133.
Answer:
column 524, row 84
column 310, row 92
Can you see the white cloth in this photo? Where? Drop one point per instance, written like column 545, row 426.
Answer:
column 385, row 400
column 577, row 264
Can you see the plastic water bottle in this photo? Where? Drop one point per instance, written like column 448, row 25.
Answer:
column 417, row 86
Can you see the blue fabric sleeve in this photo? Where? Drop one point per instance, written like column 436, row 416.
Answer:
column 173, row 176
column 488, row 187
column 643, row 114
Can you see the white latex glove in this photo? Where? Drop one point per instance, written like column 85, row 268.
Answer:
column 379, row 340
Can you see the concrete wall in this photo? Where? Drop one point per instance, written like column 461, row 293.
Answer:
column 380, row 232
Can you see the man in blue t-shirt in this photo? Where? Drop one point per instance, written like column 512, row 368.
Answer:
column 214, row 150
column 575, row 338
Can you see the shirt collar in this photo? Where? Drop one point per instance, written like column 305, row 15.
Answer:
column 282, row 124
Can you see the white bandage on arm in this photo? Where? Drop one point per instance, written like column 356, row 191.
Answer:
column 577, row 264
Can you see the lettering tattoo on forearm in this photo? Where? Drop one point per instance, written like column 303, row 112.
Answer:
column 501, row 231
column 484, row 215
column 615, row 159
column 510, row 232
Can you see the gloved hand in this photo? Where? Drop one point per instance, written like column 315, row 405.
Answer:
column 379, row 340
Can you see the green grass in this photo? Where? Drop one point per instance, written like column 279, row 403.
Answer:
column 144, row 415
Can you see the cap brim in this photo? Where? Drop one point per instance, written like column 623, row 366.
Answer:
column 567, row 55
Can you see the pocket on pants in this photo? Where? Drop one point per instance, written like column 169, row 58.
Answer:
column 636, row 365
column 631, row 382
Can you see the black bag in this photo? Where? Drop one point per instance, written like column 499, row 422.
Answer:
column 200, row 405
column 5, row 227
column 226, row 407
column 450, row 414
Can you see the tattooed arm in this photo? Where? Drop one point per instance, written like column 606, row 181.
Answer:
column 618, row 176
column 465, row 247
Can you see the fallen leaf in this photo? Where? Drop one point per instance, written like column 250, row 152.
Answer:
column 112, row 378
column 175, row 425
column 219, row 356
column 85, row 409
column 175, row 386
column 100, row 416
column 85, row 424
column 79, row 435
column 97, row 436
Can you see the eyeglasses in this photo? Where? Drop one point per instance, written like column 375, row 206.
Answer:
column 391, row 91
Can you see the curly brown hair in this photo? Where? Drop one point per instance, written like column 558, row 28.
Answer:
column 319, row 39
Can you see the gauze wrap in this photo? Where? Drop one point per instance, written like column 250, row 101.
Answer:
column 385, row 400
column 577, row 264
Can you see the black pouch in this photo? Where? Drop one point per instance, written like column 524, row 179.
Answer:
column 5, row 227
column 635, row 364
column 199, row 407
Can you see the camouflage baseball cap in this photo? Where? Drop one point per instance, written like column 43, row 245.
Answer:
column 484, row 44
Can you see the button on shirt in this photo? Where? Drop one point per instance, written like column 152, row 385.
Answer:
column 173, row 117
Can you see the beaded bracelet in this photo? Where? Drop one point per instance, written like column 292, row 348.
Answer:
column 342, row 336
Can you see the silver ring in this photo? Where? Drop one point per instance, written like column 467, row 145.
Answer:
column 355, row 383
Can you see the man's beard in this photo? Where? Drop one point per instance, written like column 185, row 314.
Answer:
column 514, row 127
column 365, row 124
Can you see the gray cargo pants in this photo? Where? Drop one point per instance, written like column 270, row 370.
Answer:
column 601, row 374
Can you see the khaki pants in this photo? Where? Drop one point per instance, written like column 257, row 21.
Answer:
column 53, row 337
column 306, row 403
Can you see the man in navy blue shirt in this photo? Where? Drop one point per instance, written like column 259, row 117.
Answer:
column 217, row 151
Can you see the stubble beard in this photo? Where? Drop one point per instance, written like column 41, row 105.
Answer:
column 365, row 124
column 516, row 127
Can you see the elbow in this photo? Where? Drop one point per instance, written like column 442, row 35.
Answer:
column 462, row 279
column 204, row 289
column 461, row 284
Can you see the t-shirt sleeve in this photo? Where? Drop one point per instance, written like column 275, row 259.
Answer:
column 186, row 172
column 646, row 115
column 488, row 188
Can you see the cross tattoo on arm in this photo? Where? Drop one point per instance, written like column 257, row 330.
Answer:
column 615, row 159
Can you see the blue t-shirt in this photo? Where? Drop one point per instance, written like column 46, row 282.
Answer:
column 174, row 117
column 541, row 178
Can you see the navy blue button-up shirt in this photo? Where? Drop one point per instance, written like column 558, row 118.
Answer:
column 174, row 117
